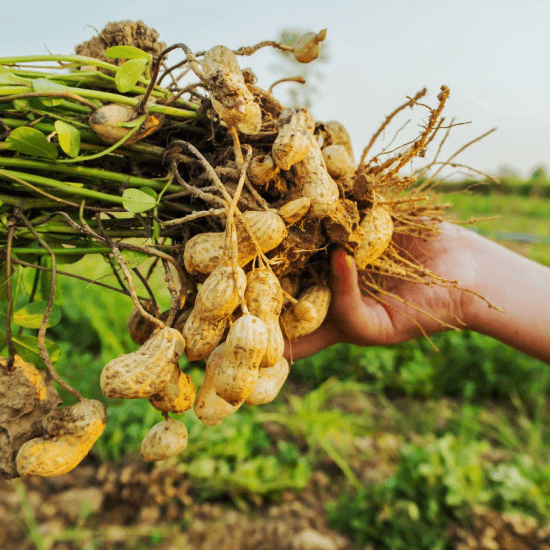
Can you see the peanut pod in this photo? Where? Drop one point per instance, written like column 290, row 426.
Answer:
column 204, row 251
column 319, row 297
column 209, row 407
column 70, row 434
column 164, row 440
column 264, row 299
column 175, row 398
column 270, row 381
column 307, row 47
column 293, row 141
column 147, row 370
column 245, row 347
column 376, row 230
column 216, row 300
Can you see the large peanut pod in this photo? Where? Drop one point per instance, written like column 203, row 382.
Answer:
column 209, row 407
column 245, row 347
column 105, row 121
column 175, row 398
column 70, row 434
column 319, row 297
column 204, row 251
column 216, row 300
column 376, row 233
column 230, row 96
column 264, row 299
column 147, row 370
column 315, row 182
column 164, row 440
column 293, row 141
column 270, row 381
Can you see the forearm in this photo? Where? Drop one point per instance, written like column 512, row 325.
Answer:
column 521, row 288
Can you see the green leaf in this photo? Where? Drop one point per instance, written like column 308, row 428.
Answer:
column 30, row 316
column 31, row 142
column 27, row 347
column 125, row 52
column 150, row 191
column 129, row 73
column 10, row 79
column 69, row 138
column 134, row 258
column 44, row 85
column 135, row 200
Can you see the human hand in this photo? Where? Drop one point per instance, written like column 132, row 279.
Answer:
column 413, row 310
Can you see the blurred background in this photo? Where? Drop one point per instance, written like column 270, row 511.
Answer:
column 383, row 447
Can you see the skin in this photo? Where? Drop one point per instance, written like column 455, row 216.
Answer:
column 518, row 288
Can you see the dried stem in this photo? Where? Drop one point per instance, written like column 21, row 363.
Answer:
column 42, row 331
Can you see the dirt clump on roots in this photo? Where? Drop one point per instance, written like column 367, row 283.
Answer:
column 26, row 397
column 122, row 33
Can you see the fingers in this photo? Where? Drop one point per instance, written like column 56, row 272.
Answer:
column 310, row 344
column 344, row 280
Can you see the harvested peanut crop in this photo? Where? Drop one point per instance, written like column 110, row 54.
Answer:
column 236, row 198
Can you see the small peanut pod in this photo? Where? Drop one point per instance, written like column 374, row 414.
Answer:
column 70, row 434
column 105, row 123
column 307, row 48
column 216, row 300
column 270, row 381
column 293, row 142
column 264, row 299
column 209, row 407
column 147, row 370
column 175, row 398
column 375, row 235
column 204, row 251
column 164, row 440
column 245, row 347
column 294, row 210
column 315, row 182
column 338, row 162
column 230, row 96
column 290, row 285
column 262, row 169
column 319, row 297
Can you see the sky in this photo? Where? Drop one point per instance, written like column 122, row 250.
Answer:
column 494, row 57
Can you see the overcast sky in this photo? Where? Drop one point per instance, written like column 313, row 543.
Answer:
column 494, row 56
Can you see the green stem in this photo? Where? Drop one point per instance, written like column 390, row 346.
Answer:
column 60, row 250
column 86, row 172
column 27, row 203
column 107, row 97
column 68, row 189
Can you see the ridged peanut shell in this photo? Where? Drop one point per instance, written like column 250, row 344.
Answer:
column 294, row 210
column 375, row 235
column 245, row 346
column 175, row 398
column 209, row 407
column 262, row 169
column 270, row 381
column 317, row 295
column 293, row 141
column 204, row 251
column 164, row 440
column 71, row 437
column 312, row 177
column 264, row 299
column 147, row 370
column 338, row 135
column 216, row 300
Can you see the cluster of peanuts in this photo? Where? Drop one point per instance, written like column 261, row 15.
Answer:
column 246, row 305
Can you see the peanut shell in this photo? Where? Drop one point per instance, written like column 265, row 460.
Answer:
column 164, row 440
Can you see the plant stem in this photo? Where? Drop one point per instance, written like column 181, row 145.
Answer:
column 25, row 202
column 61, row 250
column 69, row 189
